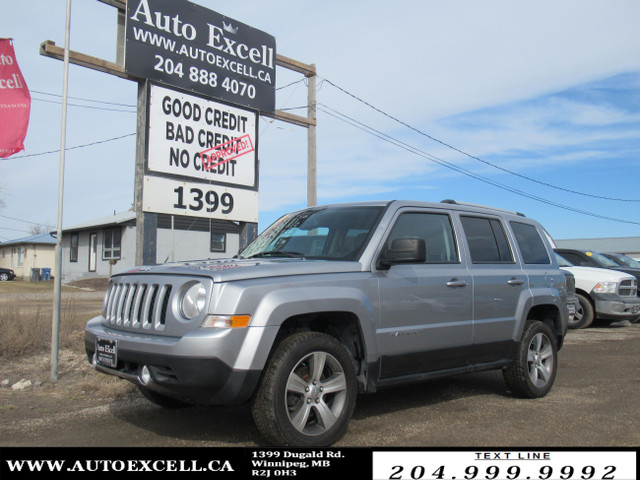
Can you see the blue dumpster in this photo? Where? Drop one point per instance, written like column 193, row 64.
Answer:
column 46, row 274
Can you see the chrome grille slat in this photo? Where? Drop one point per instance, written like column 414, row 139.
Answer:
column 120, row 306
column 112, row 302
column 140, row 292
column 161, row 307
column 126, row 315
column 145, row 319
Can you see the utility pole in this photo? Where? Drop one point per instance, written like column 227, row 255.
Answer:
column 312, row 183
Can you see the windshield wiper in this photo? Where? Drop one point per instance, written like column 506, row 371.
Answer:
column 278, row 253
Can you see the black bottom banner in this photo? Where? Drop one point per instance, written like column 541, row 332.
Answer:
column 326, row 464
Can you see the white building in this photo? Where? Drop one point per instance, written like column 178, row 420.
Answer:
column 107, row 245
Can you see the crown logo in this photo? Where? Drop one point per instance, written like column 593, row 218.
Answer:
column 227, row 27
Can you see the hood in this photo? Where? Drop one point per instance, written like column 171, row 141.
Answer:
column 593, row 275
column 230, row 270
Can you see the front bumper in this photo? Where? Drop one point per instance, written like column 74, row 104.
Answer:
column 613, row 307
column 178, row 370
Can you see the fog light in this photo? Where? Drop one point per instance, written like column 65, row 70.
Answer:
column 145, row 375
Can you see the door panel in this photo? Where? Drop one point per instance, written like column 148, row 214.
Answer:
column 425, row 308
column 498, row 285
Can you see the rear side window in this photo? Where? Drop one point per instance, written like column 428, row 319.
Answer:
column 531, row 245
column 487, row 240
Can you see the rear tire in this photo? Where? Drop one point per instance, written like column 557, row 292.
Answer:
column 308, row 392
column 533, row 371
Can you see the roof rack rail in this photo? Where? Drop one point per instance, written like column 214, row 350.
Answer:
column 454, row 202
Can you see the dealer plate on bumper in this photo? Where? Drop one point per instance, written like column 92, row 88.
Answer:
column 107, row 352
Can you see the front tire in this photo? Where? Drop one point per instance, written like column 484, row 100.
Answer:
column 533, row 371
column 308, row 392
column 4, row 277
column 585, row 313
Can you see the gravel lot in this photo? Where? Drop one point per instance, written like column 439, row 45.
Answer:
column 593, row 403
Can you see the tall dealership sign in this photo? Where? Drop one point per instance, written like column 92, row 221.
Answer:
column 207, row 79
column 185, row 45
column 15, row 102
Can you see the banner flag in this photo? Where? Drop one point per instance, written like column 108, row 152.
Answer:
column 15, row 102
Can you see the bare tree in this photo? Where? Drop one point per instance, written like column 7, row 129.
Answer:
column 38, row 229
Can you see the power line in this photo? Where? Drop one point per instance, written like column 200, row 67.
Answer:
column 600, row 197
column 86, row 99
column 14, row 229
column 383, row 136
column 290, row 84
column 85, row 106
column 73, row 148
column 25, row 221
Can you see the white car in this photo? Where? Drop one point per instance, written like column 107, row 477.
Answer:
column 604, row 294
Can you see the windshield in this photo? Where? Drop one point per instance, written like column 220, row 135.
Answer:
column 624, row 260
column 328, row 233
column 601, row 260
column 563, row 262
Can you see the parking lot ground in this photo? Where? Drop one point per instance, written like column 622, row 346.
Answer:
column 593, row 403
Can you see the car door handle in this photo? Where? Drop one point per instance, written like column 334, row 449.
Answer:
column 515, row 281
column 454, row 282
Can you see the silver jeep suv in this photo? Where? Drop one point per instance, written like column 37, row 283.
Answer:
column 338, row 300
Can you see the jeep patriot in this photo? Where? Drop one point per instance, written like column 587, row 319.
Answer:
column 334, row 301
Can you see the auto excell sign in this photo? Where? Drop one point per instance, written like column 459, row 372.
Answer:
column 182, row 44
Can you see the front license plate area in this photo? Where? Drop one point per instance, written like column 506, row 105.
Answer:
column 107, row 352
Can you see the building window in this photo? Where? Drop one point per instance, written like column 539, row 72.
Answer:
column 218, row 242
column 111, row 244
column 73, row 252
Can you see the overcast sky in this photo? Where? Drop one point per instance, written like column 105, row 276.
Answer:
column 526, row 106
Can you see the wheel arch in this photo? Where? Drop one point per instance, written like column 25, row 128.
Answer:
column 550, row 315
column 344, row 326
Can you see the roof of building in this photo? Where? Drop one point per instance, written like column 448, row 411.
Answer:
column 39, row 239
column 617, row 245
column 115, row 219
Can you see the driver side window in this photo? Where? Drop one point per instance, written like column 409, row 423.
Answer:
column 436, row 231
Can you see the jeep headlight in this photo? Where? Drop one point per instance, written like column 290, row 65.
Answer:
column 193, row 300
column 605, row 287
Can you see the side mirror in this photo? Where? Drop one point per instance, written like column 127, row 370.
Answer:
column 403, row 250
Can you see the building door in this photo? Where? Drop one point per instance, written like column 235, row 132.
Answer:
column 93, row 251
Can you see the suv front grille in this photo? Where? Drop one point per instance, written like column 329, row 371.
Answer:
column 628, row 288
column 137, row 305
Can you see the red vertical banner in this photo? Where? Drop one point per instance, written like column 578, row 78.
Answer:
column 15, row 102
